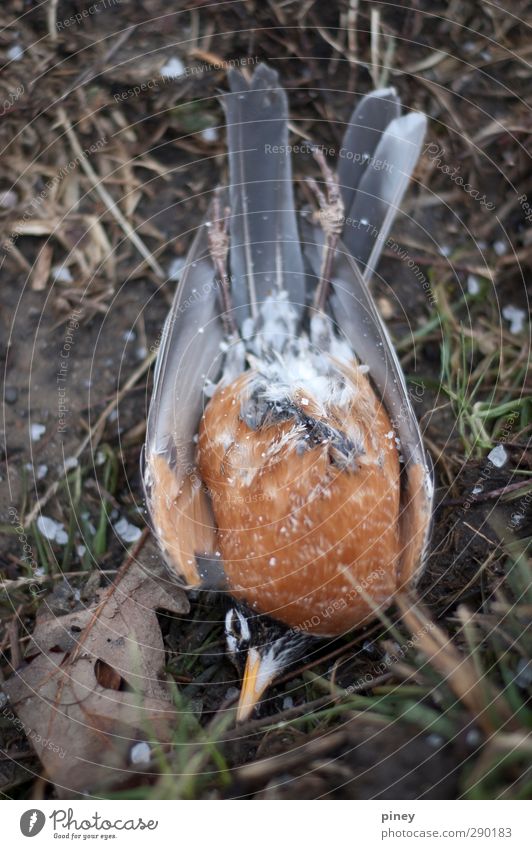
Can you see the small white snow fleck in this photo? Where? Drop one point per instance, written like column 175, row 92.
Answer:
column 140, row 754
column 272, row 561
column 8, row 199
column 62, row 274
column 498, row 456
column 209, row 134
column 390, row 434
column 100, row 458
column 42, row 471
column 445, row 250
column 305, row 402
column 80, row 550
column 473, row 285
column 288, row 703
column 71, row 463
column 129, row 336
column 36, row 431
column 47, row 526
column 176, row 267
column 61, row 536
column 15, row 53
column 500, row 247
column 515, row 316
column 477, row 490
column 434, row 740
column 52, row 530
column 127, row 531
column 173, row 68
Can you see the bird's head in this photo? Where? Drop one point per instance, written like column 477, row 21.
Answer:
column 261, row 649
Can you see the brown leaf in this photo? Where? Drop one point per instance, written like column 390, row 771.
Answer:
column 95, row 684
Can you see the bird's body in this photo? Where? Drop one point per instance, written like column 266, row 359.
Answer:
column 302, row 467
column 284, row 464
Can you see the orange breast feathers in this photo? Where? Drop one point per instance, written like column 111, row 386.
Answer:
column 308, row 532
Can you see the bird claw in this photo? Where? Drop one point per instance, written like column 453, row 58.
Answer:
column 331, row 217
column 218, row 242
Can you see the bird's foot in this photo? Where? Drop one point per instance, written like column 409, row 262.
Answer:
column 331, row 217
column 218, row 241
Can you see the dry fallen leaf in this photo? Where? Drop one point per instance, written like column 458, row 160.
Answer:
column 92, row 684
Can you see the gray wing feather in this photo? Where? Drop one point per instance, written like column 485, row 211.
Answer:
column 366, row 126
column 189, row 352
column 381, row 190
column 265, row 252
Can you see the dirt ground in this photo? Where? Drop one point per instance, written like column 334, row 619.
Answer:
column 112, row 139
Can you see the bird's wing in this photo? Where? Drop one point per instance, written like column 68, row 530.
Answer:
column 364, row 131
column 265, row 253
column 358, row 320
column 381, row 188
column 189, row 353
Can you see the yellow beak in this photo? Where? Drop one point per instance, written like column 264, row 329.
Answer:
column 257, row 678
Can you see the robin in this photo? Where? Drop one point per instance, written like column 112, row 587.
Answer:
column 283, row 462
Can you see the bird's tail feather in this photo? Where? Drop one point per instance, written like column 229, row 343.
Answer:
column 265, row 253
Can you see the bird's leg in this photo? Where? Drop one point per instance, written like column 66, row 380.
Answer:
column 218, row 240
column 331, row 217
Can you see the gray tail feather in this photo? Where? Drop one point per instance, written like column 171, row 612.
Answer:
column 379, row 153
column 265, row 252
column 366, row 126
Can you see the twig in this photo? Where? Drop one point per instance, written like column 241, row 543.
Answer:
column 17, row 583
column 106, row 197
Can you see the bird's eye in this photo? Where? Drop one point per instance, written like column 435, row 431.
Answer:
column 237, row 633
